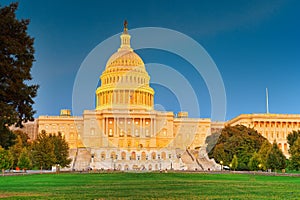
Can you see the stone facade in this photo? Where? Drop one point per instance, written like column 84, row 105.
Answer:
column 124, row 131
column 274, row 127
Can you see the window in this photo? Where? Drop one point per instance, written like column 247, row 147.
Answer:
column 164, row 133
column 103, row 155
column 123, row 155
column 147, row 133
column 137, row 133
column 121, row 133
column 133, row 156
column 92, row 131
column 110, row 134
column 153, row 155
column 163, row 155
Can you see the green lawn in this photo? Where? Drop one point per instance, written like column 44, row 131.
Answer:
column 149, row 186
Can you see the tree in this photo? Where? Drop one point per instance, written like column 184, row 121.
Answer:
column 292, row 137
column 16, row 150
column 295, row 155
column 263, row 153
column 237, row 140
column 7, row 137
column 6, row 160
column 43, row 151
column 16, row 58
column 275, row 158
column 24, row 137
column 234, row 162
column 255, row 162
column 61, row 150
column 24, row 161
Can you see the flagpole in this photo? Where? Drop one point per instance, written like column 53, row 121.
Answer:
column 267, row 100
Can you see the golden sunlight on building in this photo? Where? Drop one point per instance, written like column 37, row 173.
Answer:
column 124, row 131
column 274, row 127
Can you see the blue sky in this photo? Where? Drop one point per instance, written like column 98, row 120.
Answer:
column 255, row 44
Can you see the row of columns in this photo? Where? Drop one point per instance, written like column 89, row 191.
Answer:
column 114, row 128
column 144, row 155
column 123, row 79
column 272, row 132
column 125, row 97
column 280, row 124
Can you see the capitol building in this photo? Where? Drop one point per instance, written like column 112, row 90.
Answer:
column 125, row 132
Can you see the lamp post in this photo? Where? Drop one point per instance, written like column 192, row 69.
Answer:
column 221, row 162
column 259, row 166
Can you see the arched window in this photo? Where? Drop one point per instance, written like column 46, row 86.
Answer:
column 163, row 155
column 133, row 156
column 143, row 155
column 113, row 155
column 126, row 167
column 123, row 155
column 285, row 147
column 280, row 146
column 102, row 155
column 153, row 155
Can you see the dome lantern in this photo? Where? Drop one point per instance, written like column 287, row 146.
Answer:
column 125, row 39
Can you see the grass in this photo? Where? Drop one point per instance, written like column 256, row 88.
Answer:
column 149, row 186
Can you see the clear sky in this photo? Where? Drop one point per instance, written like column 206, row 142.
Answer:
column 255, row 44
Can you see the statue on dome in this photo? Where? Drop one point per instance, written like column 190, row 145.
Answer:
column 125, row 26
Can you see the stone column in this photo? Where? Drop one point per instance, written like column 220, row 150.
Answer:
column 151, row 127
column 115, row 127
column 154, row 127
column 132, row 128
column 124, row 96
column 125, row 127
column 106, row 125
column 141, row 127
column 103, row 127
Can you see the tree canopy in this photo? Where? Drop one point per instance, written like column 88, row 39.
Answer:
column 49, row 150
column 43, row 151
column 295, row 155
column 61, row 150
column 16, row 59
column 292, row 137
column 6, row 160
column 240, row 141
column 275, row 158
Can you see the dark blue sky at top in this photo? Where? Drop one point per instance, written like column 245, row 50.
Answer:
column 255, row 44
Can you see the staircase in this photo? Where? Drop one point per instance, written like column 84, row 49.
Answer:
column 190, row 162
column 82, row 159
column 194, row 159
column 208, row 164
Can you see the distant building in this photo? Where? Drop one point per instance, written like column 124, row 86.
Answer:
column 274, row 127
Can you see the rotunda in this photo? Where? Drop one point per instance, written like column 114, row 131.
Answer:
column 125, row 81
